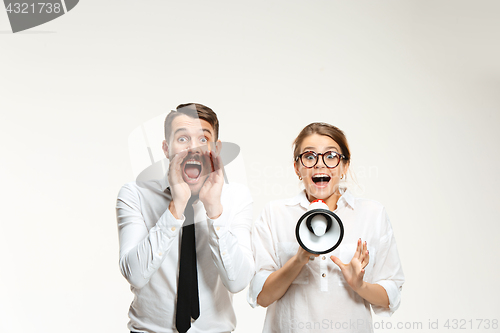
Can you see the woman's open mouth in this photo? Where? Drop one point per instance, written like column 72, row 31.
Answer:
column 321, row 179
column 191, row 170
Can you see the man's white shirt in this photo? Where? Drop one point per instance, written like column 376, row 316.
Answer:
column 150, row 240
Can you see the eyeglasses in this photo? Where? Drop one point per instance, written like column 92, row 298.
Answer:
column 310, row 158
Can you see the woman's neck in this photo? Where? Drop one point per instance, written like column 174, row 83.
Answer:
column 331, row 201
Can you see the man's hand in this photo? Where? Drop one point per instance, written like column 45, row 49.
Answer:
column 178, row 187
column 211, row 191
column 355, row 270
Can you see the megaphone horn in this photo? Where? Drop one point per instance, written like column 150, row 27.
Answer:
column 319, row 230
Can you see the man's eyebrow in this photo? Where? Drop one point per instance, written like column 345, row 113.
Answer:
column 183, row 129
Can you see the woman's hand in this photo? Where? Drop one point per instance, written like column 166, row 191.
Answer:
column 355, row 270
column 302, row 256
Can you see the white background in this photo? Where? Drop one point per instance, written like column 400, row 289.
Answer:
column 414, row 84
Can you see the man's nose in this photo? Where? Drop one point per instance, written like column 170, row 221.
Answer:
column 194, row 147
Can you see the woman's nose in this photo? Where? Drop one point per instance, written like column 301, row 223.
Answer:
column 320, row 163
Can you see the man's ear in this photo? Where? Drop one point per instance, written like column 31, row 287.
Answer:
column 218, row 147
column 164, row 146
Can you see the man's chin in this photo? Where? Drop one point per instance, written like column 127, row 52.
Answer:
column 195, row 187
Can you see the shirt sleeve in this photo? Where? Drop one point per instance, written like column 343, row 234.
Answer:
column 387, row 270
column 230, row 239
column 266, row 260
column 142, row 251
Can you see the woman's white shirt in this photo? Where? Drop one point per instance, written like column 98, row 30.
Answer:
column 319, row 299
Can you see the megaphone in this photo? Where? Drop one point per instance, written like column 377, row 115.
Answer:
column 319, row 230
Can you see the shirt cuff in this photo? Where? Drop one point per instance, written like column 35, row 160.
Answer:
column 394, row 295
column 169, row 225
column 218, row 227
column 218, row 232
column 256, row 286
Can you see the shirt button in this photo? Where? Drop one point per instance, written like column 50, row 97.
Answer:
column 159, row 253
column 218, row 228
column 323, row 258
column 224, row 253
column 173, row 229
column 323, row 275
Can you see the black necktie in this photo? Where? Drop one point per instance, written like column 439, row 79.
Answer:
column 188, row 304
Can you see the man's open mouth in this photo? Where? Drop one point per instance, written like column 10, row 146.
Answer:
column 191, row 170
column 321, row 180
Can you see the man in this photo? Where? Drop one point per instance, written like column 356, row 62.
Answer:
column 152, row 245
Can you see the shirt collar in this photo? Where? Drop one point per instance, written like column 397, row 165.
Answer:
column 164, row 183
column 301, row 199
column 347, row 198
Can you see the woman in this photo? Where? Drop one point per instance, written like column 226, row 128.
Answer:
column 332, row 292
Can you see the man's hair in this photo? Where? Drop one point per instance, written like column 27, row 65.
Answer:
column 193, row 110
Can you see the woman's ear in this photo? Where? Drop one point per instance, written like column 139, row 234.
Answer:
column 345, row 168
column 296, row 167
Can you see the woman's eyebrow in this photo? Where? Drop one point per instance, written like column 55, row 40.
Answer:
column 327, row 148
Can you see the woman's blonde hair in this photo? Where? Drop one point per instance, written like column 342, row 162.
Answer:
column 323, row 129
